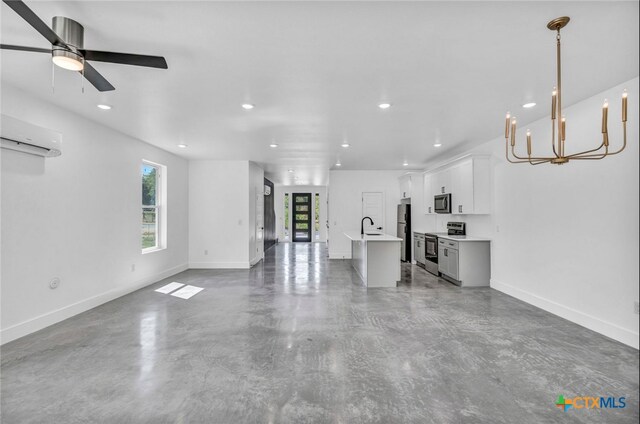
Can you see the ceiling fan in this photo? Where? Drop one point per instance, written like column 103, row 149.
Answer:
column 67, row 47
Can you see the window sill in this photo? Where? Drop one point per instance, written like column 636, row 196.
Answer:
column 152, row 249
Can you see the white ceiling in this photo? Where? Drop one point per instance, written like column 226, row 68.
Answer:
column 317, row 70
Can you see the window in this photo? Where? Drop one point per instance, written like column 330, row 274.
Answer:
column 152, row 207
column 316, row 218
column 286, row 215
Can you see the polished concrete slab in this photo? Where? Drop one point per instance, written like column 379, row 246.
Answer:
column 297, row 339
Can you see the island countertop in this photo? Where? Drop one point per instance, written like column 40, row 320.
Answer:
column 356, row 236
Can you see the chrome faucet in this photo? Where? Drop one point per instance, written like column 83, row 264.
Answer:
column 362, row 224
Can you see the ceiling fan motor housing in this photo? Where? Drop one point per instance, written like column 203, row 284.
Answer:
column 73, row 35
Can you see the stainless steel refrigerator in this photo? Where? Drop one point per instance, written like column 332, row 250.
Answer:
column 404, row 231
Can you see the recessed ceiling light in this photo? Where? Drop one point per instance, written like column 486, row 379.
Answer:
column 248, row 106
column 384, row 105
column 290, row 170
column 273, row 145
column 529, row 105
column 338, row 164
column 405, row 164
column 345, row 145
column 104, row 107
column 182, row 146
column 437, row 145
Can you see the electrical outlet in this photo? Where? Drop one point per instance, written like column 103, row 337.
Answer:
column 54, row 283
column 133, row 267
column 206, row 252
column 497, row 228
column 636, row 308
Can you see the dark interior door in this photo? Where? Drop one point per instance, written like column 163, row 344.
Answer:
column 301, row 216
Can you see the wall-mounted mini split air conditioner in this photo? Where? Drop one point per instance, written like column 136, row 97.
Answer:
column 28, row 138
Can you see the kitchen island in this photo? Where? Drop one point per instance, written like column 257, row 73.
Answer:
column 376, row 258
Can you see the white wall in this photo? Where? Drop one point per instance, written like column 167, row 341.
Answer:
column 565, row 238
column 78, row 217
column 280, row 191
column 345, row 204
column 219, row 201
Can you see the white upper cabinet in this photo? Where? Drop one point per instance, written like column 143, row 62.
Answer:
column 462, row 188
column 441, row 181
column 468, row 181
column 405, row 186
column 427, row 190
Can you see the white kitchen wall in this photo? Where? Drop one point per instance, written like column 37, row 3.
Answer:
column 77, row 217
column 280, row 190
column 345, row 204
column 219, row 201
column 565, row 238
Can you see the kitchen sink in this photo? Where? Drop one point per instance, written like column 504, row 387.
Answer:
column 373, row 234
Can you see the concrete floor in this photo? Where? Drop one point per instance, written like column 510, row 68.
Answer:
column 297, row 339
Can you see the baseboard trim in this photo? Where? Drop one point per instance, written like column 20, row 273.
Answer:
column 340, row 255
column 219, row 265
column 45, row 320
column 591, row 322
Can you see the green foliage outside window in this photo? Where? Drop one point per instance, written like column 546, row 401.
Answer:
column 286, row 212
column 149, row 206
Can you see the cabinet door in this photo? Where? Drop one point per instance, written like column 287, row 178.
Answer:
column 441, row 182
column 452, row 264
column 405, row 186
column 443, row 260
column 427, row 191
column 462, row 188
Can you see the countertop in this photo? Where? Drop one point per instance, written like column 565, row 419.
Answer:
column 455, row 238
column 355, row 235
column 463, row 238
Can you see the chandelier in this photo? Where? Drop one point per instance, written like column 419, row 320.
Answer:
column 559, row 156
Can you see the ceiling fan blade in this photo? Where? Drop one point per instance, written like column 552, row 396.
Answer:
column 24, row 49
column 27, row 14
column 97, row 80
column 126, row 58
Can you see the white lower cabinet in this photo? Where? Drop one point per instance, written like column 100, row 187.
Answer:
column 448, row 261
column 465, row 263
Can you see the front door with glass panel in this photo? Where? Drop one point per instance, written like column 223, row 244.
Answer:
column 301, row 217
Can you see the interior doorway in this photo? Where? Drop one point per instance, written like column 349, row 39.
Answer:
column 373, row 207
column 301, row 217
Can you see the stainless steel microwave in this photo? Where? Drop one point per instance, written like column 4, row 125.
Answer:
column 442, row 203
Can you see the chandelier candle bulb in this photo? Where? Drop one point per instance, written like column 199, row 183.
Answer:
column 513, row 131
column 564, row 128
column 554, row 96
column 529, row 142
column 624, row 106
column 506, row 125
column 605, row 114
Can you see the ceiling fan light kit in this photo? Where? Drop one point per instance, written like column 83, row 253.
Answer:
column 67, row 47
column 558, row 147
column 73, row 34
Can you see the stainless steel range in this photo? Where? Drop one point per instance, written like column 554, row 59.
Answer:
column 431, row 244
